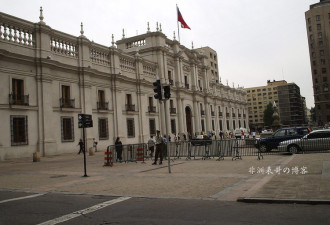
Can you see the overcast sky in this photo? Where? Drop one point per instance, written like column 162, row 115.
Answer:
column 256, row 40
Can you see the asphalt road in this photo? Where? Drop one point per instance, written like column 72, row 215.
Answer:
column 53, row 208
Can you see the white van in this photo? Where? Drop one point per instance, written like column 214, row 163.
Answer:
column 238, row 133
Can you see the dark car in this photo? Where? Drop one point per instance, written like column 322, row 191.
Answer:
column 283, row 134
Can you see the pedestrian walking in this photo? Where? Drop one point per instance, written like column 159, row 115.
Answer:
column 151, row 146
column 119, row 149
column 159, row 148
column 95, row 144
column 81, row 146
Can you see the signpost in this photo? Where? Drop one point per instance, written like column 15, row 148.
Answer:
column 85, row 121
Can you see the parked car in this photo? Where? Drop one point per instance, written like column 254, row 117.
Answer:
column 238, row 133
column 318, row 140
column 283, row 134
column 201, row 140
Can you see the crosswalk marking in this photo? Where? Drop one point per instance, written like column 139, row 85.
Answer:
column 84, row 211
column 21, row 198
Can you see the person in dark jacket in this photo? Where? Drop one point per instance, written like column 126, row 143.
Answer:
column 81, row 146
column 119, row 149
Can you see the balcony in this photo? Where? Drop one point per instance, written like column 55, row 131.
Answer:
column 244, row 115
column 18, row 99
column 103, row 105
column 151, row 109
column 220, row 114
column 239, row 115
column 212, row 113
column 171, row 81
column 186, row 86
column 202, row 112
column 67, row 103
column 130, row 107
column 173, row 110
column 234, row 115
column 227, row 114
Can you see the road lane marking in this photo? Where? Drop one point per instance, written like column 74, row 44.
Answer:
column 20, row 198
column 84, row 211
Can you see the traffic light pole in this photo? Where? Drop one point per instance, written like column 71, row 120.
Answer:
column 166, row 131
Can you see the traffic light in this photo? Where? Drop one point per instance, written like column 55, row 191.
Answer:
column 167, row 92
column 157, row 90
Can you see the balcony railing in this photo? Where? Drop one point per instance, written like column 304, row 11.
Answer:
column 202, row 112
column 186, row 86
column 244, row 115
column 18, row 99
column 130, row 107
column 152, row 109
column 239, row 115
column 102, row 105
column 173, row 110
column 171, row 81
column 234, row 115
column 227, row 114
column 220, row 114
column 212, row 113
column 67, row 103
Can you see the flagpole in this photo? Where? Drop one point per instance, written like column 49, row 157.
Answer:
column 177, row 21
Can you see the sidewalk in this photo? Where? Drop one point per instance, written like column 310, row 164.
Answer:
column 226, row 180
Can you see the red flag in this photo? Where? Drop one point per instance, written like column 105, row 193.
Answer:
column 181, row 20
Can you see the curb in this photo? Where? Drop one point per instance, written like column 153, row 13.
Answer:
column 285, row 201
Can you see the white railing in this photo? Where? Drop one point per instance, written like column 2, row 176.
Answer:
column 63, row 47
column 136, row 43
column 16, row 34
column 127, row 64
column 100, row 56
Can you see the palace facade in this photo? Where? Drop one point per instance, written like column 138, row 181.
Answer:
column 49, row 77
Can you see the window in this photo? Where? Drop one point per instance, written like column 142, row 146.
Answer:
column 318, row 17
column 309, row 20
column 319, row 34
column 324, row 70
column 203, row 125
column 19, row 130
column 323, row 61
column 316, row 81
column 152, row 127
column 103, row 129
column 129, row 105
column 213, row 127
column 66, row 100
column 318, row 26
column 151, row 107
column 227, row 124
column 325, row 79
column 101, row 104
column 321, row 52
column 320, row 43
column 130, row 128
column 67, row 129
column 310, row 28
column 311, row 37
column 173, row 126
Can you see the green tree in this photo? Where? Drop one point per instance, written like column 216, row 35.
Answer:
column 268, row 115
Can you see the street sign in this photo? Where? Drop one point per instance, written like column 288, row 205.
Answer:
column 85, row 121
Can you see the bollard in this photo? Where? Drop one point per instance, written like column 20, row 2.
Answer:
column 36, row 157
column 140, row 154
column 108, row 158
column 91, row 151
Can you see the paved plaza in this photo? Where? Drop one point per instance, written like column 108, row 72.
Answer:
column 301, row 178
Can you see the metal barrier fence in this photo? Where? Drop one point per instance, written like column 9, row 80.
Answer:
column 219, row 149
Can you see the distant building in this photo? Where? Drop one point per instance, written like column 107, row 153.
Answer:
column 291, row 105
column 318, row 29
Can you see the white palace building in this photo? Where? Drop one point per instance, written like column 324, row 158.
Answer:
column 48, row 77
